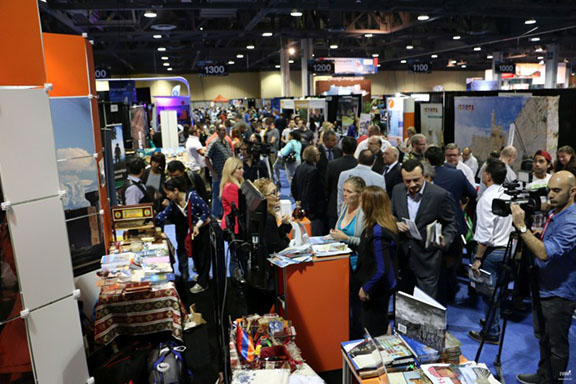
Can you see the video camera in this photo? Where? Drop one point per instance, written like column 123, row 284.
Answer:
column 257, row 149
column 529, row 200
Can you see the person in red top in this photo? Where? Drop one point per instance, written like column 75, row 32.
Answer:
column 215, row 136
column 232, row 179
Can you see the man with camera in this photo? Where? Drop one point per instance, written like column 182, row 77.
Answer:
column 491, row 235
column 555, row 256
column 254, row 167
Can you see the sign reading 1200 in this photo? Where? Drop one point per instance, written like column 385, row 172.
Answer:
column 214, row 70
column 321, row 67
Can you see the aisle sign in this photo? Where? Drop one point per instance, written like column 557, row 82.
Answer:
column 102, row 73
column 214, row 70
column 506, row 67
column 420, row 67
column 321, row 67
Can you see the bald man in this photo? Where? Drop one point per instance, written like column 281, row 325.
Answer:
column 555, row 255
column 392, row 169
column 470, row 160
column 507, row 156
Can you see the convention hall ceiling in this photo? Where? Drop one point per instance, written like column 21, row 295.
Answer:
column 449, row 34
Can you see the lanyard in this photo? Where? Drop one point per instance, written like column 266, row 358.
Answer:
column 550, row 216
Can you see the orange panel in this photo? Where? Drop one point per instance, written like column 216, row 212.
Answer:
column 408, row 122
column 317, row 303
column 21, row 44
column 66, row 64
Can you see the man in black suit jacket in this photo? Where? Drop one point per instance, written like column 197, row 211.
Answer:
column 333, row 171
column 375, row 146
column 422, row 203
column 391, row 169
column 328, row 152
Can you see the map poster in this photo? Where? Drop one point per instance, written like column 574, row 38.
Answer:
column 431, row 123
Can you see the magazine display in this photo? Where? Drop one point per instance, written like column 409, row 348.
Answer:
column 469, row 373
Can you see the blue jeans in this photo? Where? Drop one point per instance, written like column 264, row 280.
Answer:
column 493, row 263
column 216, row 201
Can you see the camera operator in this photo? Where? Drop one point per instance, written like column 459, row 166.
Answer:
column 492, row 234
column 555, row 255
column 254, row 167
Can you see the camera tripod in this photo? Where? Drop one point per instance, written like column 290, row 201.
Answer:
column 501, row 292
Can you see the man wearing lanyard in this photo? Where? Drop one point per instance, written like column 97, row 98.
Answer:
column 555, row 255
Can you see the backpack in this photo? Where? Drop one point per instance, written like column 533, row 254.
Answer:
column 141, row 186
column 166, row 365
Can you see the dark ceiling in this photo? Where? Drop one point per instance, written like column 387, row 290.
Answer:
column 193, row 31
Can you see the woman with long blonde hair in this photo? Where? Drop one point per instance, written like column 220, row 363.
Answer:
column 232, row 179
column 376, row 268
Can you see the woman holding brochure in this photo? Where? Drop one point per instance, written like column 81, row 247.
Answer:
column 376, row 270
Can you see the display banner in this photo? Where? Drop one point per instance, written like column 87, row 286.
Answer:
column 365, row 119
column 118, row 154
column 431, row 123
column 483, row 123
column 395, row 111
column 138, row 127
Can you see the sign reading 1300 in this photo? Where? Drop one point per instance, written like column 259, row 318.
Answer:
column 214, row 70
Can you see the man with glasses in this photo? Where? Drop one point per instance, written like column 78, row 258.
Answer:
column 452, row 156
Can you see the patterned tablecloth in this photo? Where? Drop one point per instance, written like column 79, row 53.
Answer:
column 139, row 314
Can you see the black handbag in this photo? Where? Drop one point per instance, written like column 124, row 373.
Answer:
column 291, row 157
column 128, row 365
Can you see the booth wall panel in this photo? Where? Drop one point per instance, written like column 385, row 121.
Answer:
column 66, row 64
column 27, row 156
column 22, row 61
column 56, row 337
column 40, row 243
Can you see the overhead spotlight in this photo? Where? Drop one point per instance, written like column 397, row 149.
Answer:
column 169, row 69
column 250, row 46
column 295, row 13
column 150, row 14
column 540, row 58
column 409, row 47
column 534, row 39
column 333, row 46
column 277, row 66
column 489, row 57
column 290, row 61
column 166, row 64
column 423, row 17
column 402, row 61
column 231, row 62
column 157, row 36
column 368, row 35
column 530, row 21
column 375, row 55
column 291, row 51
column 477, row 49
column 457, row 37
column 378, row 65
column 164, row 57
column 539, row 49
column 267, row 34
column 434, row 56
column 161, row 49
column 463, row 66
column 541, row 62
column 201, row 28
column 240, row 56
column 453, row 62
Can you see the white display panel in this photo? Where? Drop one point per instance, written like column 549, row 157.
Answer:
column 41, row 249
column 56, row 343
column 169, row 128
column 27, row 156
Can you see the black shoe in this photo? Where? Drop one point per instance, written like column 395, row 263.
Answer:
column 530, row 378
column 482, row 322
column 489, row 339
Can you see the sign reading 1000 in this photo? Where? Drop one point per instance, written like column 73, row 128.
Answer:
column 214, row 70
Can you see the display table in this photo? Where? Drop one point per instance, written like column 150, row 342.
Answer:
column 316, row 301
column 139, row 314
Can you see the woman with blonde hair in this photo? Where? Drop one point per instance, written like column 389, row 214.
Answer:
column 376, row 270
column 232, row 179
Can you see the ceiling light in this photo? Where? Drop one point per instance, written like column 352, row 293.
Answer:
column 409, row 47
column 150, row 14
column 250, row 46
column 477, row 49
column 291, row 51
column 534, row 39
column 402, row 61
column 164, row 57
column 375, row 55
column 157, row 36
column 530, row 21
column 201, row 28
column 168, row 69
column 539, row 49
column 333, row 46
column 378, row 65
column 423, row 17
column 231, row 62
column 368, row 35
column 267, row 34
column 240, row 56
column 277, row 66
column 161, row 49
column 540, row 57
column 541, row 62
column 489, row 57
column 456, row 37
column 463, row 66
column 166, row 64
column 295, row 13
column 290, row 61
column 434, row 56
column 453, row 62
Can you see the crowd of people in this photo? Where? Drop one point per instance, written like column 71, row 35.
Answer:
column 380, row 199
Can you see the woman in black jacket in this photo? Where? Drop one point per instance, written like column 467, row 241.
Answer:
column 308, row 188
column 376, row 270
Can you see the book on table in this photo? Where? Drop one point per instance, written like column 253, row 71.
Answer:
column 467, row 373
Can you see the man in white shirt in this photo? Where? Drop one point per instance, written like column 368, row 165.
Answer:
column 492, row 235
column 373, row 130
column 196, row 151
column 452, row 157
column 363, row 170
column 507, row 156
column 469, row 159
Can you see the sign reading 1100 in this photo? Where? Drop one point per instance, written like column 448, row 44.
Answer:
column 214, row 70
column 420, row 67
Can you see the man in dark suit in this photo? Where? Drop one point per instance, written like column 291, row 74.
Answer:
column 375, row 146
column 453, row 181
column 391, row 169
column 333, row 171
column 421, row 203
column 328, row 152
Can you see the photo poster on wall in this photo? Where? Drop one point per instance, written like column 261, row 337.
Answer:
column 347, row 110
column 365, row 119
column 431, row 123
column 118, row 155
column 395, row 112
column 138, row 127
column 483, row 123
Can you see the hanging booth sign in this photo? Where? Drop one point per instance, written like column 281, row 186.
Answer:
column 321, row 67
column 420, row 67
column 506, row 67
column 102, row 73
column 214, row 70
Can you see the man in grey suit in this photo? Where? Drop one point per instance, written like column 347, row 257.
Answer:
column 363, row 170
column 422, row 203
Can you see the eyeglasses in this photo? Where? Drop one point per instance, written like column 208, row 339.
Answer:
column 274, row 192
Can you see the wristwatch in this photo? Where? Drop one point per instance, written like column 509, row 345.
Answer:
column 522, row 229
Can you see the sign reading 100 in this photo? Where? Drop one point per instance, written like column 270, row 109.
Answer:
column 214, row 70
